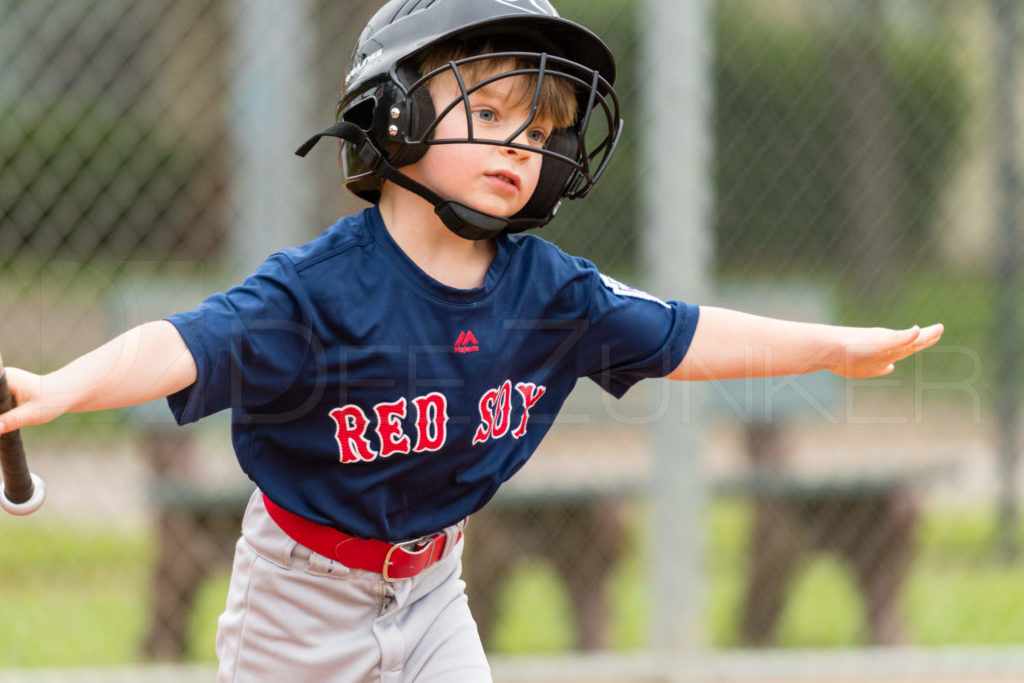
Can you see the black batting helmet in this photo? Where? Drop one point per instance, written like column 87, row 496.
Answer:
column 386, row 116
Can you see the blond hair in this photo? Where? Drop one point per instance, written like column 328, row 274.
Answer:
column 557, row 102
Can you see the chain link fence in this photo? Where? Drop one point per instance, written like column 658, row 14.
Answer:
column 864, row 172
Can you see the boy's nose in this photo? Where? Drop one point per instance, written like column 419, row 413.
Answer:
column 515, row 151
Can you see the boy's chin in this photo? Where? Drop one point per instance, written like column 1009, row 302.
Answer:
column 498, row 209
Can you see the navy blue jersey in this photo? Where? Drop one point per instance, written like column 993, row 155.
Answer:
column 370, row 397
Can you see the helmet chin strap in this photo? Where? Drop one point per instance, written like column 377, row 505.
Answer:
column 465, row 222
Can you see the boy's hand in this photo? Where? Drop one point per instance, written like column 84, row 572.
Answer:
column 31, row 408
column 145, row 363
column 870, row 352
column 733, row 345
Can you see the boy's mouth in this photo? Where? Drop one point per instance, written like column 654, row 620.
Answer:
column 506, row 177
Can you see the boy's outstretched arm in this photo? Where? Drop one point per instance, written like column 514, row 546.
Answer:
column 147, row 362
column 730, row 345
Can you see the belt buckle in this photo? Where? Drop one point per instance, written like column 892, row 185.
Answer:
column 427, row 544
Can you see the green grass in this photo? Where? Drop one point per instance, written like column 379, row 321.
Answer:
column 962, row 591
column 73, row 598
column 70, row 597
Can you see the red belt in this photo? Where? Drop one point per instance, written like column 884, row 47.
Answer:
column 393, row 560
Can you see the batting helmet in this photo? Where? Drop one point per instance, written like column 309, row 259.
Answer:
column 386, row 116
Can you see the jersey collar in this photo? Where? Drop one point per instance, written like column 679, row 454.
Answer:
column 407, row 268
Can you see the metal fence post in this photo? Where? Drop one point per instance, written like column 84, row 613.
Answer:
column 677, row 154
column 271, row 94
column 1006, row 333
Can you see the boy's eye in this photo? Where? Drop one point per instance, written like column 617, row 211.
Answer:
column 484, row 114
column 538, row 136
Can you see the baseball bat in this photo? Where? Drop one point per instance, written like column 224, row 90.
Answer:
column 21, row 492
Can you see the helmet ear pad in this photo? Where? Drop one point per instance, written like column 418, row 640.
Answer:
column 555, row 176
column 416, row 113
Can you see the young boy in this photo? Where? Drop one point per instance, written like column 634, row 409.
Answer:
column 387, row 377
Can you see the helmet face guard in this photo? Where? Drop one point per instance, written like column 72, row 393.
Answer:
column 584, row 149
column 387, row 117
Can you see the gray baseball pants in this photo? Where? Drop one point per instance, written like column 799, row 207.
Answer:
column 295, row 615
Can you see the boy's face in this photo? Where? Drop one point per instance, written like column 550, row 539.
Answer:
column 494, row 179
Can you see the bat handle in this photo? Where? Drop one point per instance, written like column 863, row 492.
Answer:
column 21, row 492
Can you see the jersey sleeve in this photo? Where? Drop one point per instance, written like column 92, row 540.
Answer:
column 631, row 335
column 248, row 343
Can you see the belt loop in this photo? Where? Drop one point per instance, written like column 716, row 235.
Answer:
column 265, row 536
column 454, row 535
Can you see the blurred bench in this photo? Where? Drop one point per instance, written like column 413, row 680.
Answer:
column 866, row 518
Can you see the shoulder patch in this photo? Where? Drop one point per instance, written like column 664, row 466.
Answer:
column 623, row 289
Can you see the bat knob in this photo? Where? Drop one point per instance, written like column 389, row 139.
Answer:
column 30, row 505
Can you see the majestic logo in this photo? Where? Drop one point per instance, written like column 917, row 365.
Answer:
column 466, row 343
column 531, row 6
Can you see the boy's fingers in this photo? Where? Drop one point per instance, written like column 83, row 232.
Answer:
column 10, row 421
column 916, row 339
column 901, row 344
column 15, row 419
column 911, row 334
column 25, row 415
column 928, row 336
